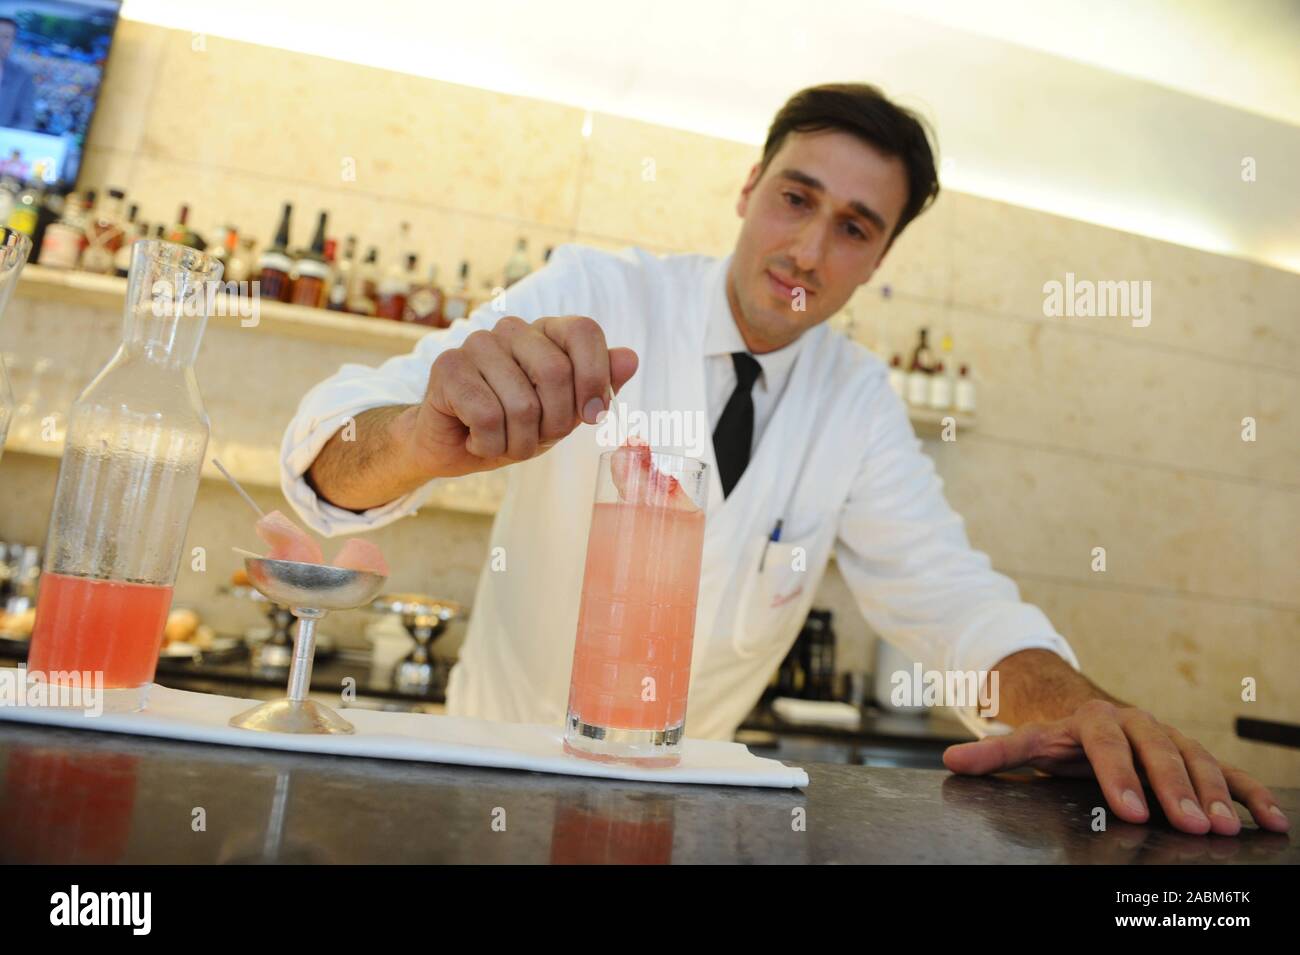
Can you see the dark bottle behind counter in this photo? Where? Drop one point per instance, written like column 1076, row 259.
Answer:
column 366, row 284
column 182, row 234
column 122, row 259
column 274, row 264
column 393, row 290
column 459, row 302
column 818, row 656
column 340, row 294
column 424, row 304
column 313, row 271
column 48, row 206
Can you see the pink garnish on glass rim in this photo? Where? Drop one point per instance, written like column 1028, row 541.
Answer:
column 287, row 540
column 358, row 554
column 639, row 482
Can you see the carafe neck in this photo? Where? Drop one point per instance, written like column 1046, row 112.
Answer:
column 168, row 293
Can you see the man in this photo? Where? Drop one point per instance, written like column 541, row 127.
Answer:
column 17, row 91
column 805, row 430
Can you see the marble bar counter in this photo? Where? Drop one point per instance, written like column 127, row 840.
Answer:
column 73, row 796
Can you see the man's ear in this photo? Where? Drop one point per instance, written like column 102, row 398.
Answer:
column 742, row 203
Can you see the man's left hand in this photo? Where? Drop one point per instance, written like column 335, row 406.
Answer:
column 1115, row 743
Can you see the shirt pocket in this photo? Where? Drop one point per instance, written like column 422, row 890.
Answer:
column 774, row 600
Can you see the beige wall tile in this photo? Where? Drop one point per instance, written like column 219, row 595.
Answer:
column 1278, row 530
column 1045, row 511
column 310, row 119
column 1214, row 305
column 921, row 262
column 1182, row 658
column 131, row 79
column 688, row 206
column 1277, row 666
column 1275, row 453
column 1060, row 387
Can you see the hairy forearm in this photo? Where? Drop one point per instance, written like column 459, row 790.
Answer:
column 370, row 464
column 1038, row 685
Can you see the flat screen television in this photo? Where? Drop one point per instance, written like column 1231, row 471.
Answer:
column 52, row 56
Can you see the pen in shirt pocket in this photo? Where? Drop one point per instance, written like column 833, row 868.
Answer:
column 771, row 539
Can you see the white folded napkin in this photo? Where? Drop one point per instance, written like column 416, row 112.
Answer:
column 816, row 712
column 205, row 718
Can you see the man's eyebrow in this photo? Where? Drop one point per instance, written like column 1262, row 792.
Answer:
column 861, row 208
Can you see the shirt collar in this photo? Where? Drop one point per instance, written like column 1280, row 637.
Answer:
column 722, row 337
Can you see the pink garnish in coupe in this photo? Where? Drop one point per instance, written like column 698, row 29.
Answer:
column 288, row 541
column 362, row 555
column 640, row 482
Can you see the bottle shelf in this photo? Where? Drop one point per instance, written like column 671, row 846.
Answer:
column 929, row 422
column 288, row 321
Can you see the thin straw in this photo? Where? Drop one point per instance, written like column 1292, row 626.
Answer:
column 235, row 484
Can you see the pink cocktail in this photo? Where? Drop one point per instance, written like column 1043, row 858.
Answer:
column 110, row 626
column 636, row 622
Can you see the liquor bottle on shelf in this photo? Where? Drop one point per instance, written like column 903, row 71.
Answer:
column 182, row 234
column 61, row 243
column 313, row 272
column 424, row 305
column 9, row 189
column 226, row 250
column 88, row 213
column 122, row 258
column 240, row 266
column 105, row 234
column 274, row 264
column 918, row 374
column 459, row 302
column 26, row 209
column 366, row 285
column 340, row 291
column 181, row 226
column 49, row 208
column 394, row 287
column 517, row 266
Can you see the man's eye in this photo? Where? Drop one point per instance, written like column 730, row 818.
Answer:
column 793, row 198
column 854, row 231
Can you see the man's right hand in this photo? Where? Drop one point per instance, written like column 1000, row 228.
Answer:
column 509, row 394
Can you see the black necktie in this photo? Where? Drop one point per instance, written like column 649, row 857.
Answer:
column 734, row 435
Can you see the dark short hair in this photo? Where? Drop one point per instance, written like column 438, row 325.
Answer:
column 9, row 20
column 863, row 111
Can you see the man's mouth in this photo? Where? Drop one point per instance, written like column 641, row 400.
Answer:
column 784, row 287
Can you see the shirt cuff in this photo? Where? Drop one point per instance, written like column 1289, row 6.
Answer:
column 303, row 440
column 986, row 642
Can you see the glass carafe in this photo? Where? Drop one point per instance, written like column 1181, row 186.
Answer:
column 14, row 249
column 130, row 471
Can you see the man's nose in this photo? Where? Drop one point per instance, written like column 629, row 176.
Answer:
column 809, row 243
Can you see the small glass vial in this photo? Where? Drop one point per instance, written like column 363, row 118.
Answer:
column 964, row 391
column 940, row 389
column 898, row 377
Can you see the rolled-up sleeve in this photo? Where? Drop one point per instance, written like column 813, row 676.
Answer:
column 563, row 287
column 918, row 581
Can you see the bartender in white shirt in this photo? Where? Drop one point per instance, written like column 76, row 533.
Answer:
column 804, row 430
